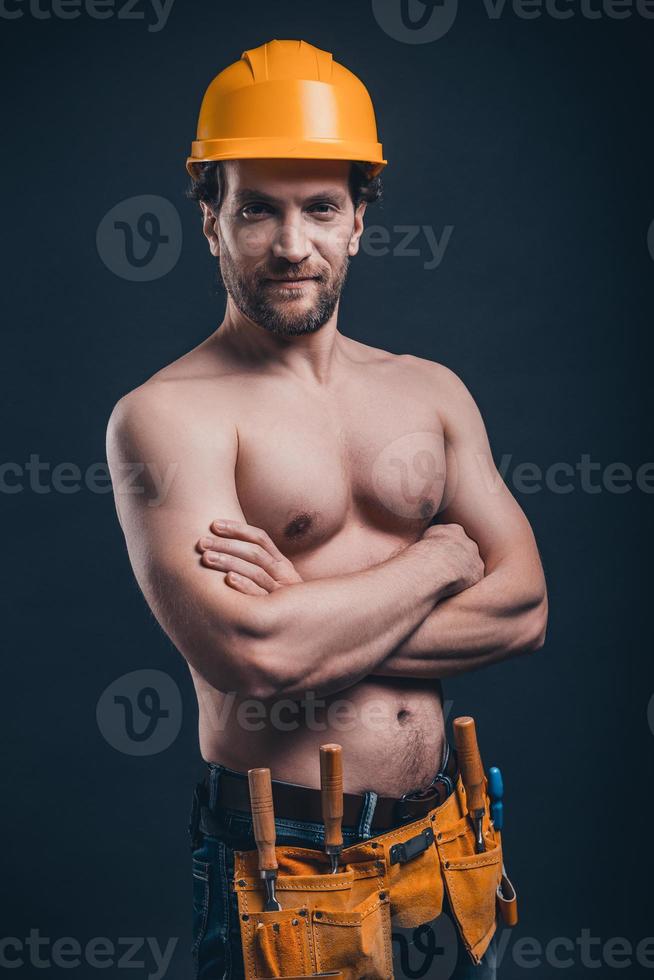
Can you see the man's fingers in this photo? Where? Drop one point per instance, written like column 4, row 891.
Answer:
column 240, row 549
column 247, row 532
column 253, row 545
column 242, row 584
column 223, row 562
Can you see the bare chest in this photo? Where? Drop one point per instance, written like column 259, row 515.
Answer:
column 307, row 471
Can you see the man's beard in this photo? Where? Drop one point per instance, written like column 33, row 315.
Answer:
column 253, row 296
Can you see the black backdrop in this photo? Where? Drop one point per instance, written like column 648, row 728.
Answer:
column 524, row 145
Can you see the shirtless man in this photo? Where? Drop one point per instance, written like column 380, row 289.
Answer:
column 293, row 553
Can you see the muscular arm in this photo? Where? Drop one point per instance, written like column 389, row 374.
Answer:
column 321, row 635
column 505, row 613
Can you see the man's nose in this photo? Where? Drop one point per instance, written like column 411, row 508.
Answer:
column 291, row 241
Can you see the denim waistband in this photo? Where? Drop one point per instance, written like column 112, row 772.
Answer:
column 363, row 828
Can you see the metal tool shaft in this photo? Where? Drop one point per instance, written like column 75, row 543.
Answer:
column 263, row 819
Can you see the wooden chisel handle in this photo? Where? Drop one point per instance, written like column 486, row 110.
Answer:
column 472, row 770
column 331, row 786
column 263, row 817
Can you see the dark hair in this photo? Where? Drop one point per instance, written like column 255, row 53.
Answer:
column 208, row 182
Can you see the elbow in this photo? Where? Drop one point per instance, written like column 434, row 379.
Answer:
column 534, row 628
column 262, row 662
column 263, row 673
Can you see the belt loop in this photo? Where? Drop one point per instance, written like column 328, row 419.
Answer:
column 215, row 772
column 364, row 827
column 446, row 756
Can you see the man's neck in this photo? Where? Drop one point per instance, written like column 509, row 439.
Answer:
column 310, row 357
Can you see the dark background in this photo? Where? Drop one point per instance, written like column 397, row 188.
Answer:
column 532, row 138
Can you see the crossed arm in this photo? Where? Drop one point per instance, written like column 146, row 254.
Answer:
column 398, row 618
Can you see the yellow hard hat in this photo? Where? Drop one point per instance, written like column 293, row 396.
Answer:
column 287, row 99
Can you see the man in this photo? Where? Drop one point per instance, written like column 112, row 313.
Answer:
column 292, row 558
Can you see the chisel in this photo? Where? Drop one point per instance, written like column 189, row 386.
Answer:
column 263, row 819
column 331, row 788
column 472, row 774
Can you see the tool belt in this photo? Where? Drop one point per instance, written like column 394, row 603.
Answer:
column 340, row 924
column 296, row 802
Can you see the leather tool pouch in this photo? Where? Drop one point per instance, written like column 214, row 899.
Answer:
column 341, row 923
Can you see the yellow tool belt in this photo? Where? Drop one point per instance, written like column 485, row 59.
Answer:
column 341, row 923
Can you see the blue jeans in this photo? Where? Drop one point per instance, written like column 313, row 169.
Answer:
column 433, row 951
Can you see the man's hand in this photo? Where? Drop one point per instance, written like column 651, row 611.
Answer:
column 458, row 556
column 254, row 564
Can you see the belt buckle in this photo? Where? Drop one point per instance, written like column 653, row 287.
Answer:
column 405, row 812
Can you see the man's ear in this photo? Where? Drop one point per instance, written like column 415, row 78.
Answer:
column 357, row 231
column 209, row 223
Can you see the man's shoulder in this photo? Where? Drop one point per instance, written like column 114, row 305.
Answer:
column 178, row 391
column 420, row 366
column 167, row 411
column 433, row 373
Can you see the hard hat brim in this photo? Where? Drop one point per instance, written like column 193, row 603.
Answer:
column 257, row 148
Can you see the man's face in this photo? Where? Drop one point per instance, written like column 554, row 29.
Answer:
column 285, row 220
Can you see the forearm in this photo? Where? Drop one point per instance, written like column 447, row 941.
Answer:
column 327, row 634
column 501, row 616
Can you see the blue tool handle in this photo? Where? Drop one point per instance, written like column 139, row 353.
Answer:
column 496, row 793
column 497, row 815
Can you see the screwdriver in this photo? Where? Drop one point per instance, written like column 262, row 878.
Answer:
column 331, row 788
column 472, row 774
column 263, row 819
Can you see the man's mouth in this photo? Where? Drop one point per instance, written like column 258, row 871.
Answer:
column 292, row 279
column 294, row 283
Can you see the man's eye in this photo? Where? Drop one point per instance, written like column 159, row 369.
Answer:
column 329, row 208
column 256, row 210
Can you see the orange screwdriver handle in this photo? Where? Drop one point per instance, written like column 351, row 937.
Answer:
column 472, row 770
column 263, row 817
column 331, row 787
